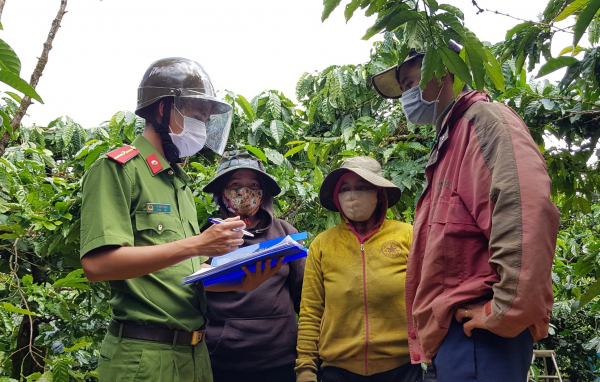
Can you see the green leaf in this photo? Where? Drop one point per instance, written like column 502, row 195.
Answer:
column 452, row 9
column 554, row 64
column 477, row 68
column 274, row 105
column 294, row 150
column 27, row 280
column 62, row 310
column 11, row 308
column 67, row 132
column 274, row 156
column 257, row 152
column 77, row 346
column 15, row 96
column 9, row 58
column 429, row 62
column 6, row 121
column 455, row 65
column 570, row 9
column 128, row 131
column 381, row 22
column 310, row 152
column 256, row 124
column 584, row 19
column 350, row 8
column 294, row 143
column 318, row 177
column 246, row 107
column 569, row 49
column 15, row 82
column 400, row 19
column 46, row 377
column 520, row 61
column 494, row 70
column 548, row 104
column 588, row 296
column 333, row 219
column 49, row 226
column 277, row 130
column 94, row 154
column 329, row 6
column 451, row 21
column 60, row 372
column 516, row 29
column 458, row 86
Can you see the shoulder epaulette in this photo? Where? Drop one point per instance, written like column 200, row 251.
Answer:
column 123, row 154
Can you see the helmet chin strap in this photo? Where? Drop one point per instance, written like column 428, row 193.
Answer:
column 171, row 151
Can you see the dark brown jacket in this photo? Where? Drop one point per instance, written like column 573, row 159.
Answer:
column 253, row 331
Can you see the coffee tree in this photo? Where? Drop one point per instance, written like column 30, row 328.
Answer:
column 53, row 320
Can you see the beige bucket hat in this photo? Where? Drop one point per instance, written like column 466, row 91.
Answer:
column 368, row 169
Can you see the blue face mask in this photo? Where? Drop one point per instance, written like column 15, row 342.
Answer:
column 417, row 110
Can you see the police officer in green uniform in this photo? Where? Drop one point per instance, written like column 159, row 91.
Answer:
column 139, row 231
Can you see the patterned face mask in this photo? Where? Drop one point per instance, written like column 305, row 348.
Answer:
column 243, row 201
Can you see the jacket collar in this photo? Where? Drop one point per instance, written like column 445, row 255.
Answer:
column 457, row 110
column 463, row 102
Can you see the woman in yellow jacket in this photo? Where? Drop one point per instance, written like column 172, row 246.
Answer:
column 352, row 314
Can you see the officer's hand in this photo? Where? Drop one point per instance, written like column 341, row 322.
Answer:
column 220, row 239
column 253, row 280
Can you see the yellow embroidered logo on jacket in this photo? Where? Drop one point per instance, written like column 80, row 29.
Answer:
column 391, row 249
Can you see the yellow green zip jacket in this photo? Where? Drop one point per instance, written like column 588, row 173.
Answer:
column 352, row 314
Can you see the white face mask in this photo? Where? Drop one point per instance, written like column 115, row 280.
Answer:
column 192, row 137
column 358, row 206
column 417, row 110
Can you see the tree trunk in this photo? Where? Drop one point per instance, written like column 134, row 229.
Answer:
column 2, row 6
column 23, row 362
column 35, row 77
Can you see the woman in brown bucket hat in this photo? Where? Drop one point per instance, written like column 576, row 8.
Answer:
column 251, row 336
column 352, row 315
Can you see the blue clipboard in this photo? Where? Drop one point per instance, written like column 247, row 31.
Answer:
column 232, row 272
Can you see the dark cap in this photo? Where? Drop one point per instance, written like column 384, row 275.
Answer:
column 236, row 160
column 387, row 82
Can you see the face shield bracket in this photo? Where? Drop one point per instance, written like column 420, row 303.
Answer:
column 162, row 128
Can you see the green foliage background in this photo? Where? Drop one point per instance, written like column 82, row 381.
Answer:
column 53, row 320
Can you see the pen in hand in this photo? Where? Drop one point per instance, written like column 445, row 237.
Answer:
column 219, row 221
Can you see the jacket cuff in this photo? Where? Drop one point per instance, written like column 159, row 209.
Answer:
column 504, row 327
column 306, row 375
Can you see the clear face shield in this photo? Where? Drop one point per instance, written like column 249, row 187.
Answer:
column 214, row 113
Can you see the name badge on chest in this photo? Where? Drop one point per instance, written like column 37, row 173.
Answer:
column 158, row 208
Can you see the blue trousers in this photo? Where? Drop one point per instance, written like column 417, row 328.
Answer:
column 483, row 357
column 404, row 373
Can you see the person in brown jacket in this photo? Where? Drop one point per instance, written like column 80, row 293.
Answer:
column 478, row 282
column 251, row 336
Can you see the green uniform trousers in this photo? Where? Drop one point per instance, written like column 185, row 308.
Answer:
column 139, row 360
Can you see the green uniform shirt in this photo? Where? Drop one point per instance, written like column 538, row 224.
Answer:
column 116, row 210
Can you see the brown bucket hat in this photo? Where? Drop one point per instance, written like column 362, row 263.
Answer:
column 236, row 160
column 387, row 82
column 368, row 169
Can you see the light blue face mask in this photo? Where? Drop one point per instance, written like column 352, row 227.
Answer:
column 417, row 110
